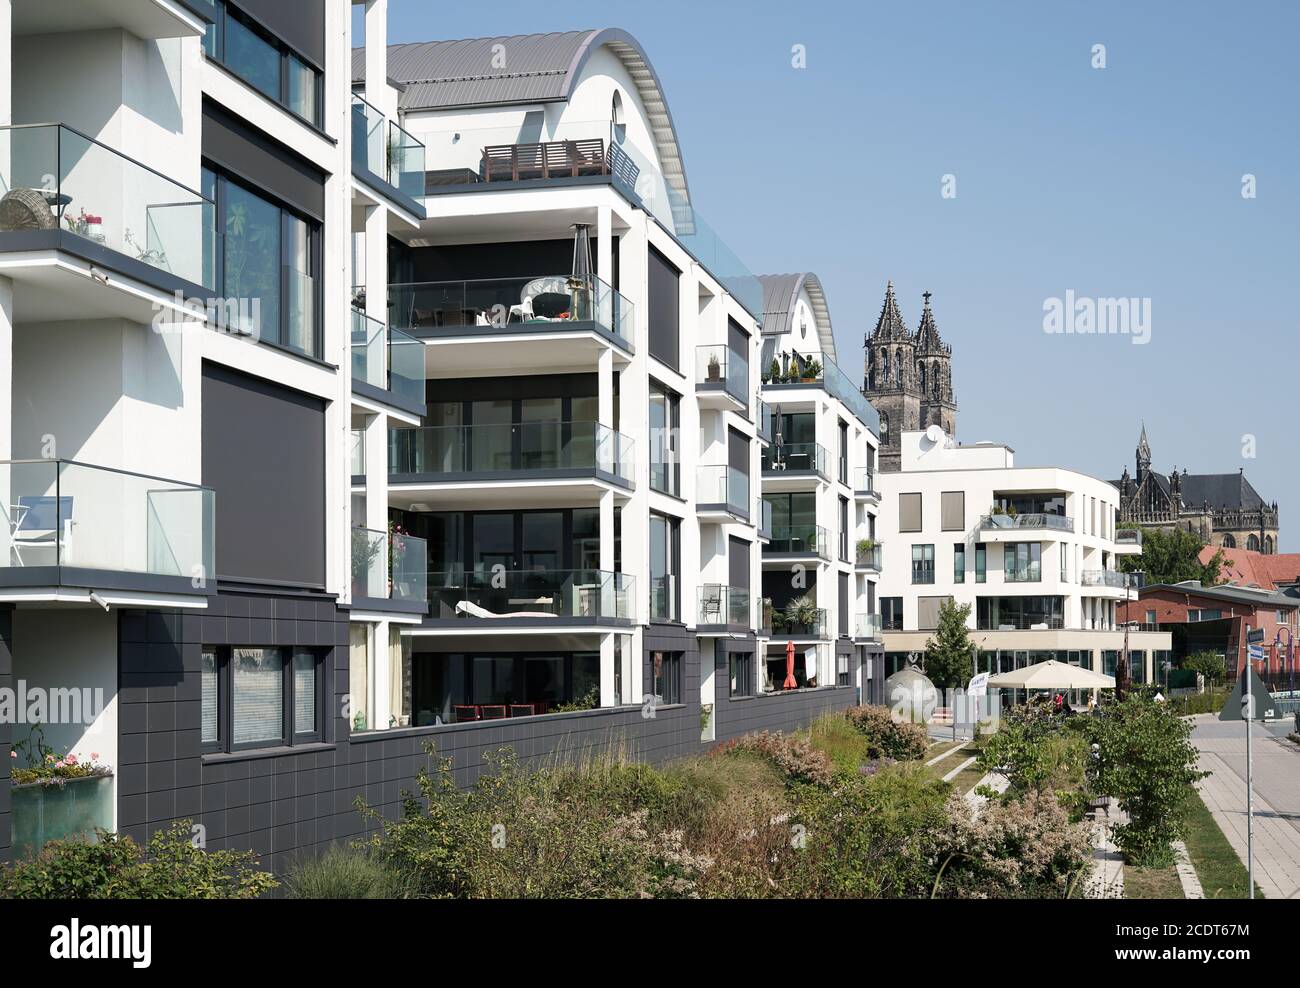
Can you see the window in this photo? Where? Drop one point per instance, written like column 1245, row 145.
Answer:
column 1022, row 562
column 1019, row 613
column 981, row 563
column 959, row 563
column 927, row 612
column 891, row 613
column 909, row 512
column 742, row 673
column 843, row 674
column 665, row 559
column 923, row 563
column 952, row 511
column 258, row 697
column 663, row 305
column 269, row 257
column 1201, row 614
column 263, row 62
column 665, row 468
column 844, row 530
column 1151, row 618
column 667, row 668
column 844, row 453
column 1063, row 551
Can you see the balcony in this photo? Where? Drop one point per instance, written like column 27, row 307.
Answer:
column 795, row 621
column 869, row 555
column 864, row 485
column 72, row 529
column 723, row 609
column 663, row 598
column 797, row 542
column 389, row 572
column 505, row 598
column 721, row 494
column 523, row 461
column 1106, row 578
column 387, row 365
column 868, row 626
column 766, row 432
column 1128, row 541
column 152, row 20
column 382, row 150
column 793, row 467
column 546, row 322
column 764, row 520
column 63, row 191
column 722, row 378
column 1019, row 528
column 789, row 371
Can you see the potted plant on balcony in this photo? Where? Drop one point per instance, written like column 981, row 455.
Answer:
column 56, row 796
column 812, row 372
column 774, row 372
column 865, row 547
column 715, row 368
column 998, row 517
column 801, row 614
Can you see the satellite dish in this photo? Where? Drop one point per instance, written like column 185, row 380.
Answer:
column 935, row 434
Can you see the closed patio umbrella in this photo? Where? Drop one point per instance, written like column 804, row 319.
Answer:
column 790, row 682
column 1052, row 675
column 580, row 279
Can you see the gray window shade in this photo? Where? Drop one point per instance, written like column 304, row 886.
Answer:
column 208, row 688
column 663, row 306
column 927, row 612
column 952, row 511
column 909, row 512
column 258, row 694
column 304, row 693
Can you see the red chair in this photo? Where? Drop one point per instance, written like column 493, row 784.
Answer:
column 492, row 711
column 466, row 713
column 522, row 710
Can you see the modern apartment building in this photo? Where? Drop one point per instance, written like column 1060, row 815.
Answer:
column 823, row 559
column 360, row 397
column 1032, row 550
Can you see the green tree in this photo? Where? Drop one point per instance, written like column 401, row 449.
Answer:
column 948, row 652
column 1173, row 557
column 1209, row 665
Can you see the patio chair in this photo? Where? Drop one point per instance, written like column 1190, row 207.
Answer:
column 492, row 711
column 466, row 712
column 42, row 522
column 26, row 209
column 523, row 311
column 711, row 604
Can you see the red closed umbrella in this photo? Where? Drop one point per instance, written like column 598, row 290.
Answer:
column 790, row 682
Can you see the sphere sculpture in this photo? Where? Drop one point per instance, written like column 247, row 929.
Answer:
column 910, row 695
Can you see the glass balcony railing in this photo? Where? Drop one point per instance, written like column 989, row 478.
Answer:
column 1104, row 578
column 764, row 518
column 723, row 605
column 384, row 149
column 387, row 359
column 576, row 149
column 723, row 485
column 455, row 451
column 1128, row 536
column 764, row 421
column 820, row 369
column 864, row 482
column 766, row 616
column 55, row 178
column 357, row 451
column 869, row 555
column 492, row 306
column 389, row 566
column 803, row 540
column 867, row 626
column 1056, row 523
column 719, row 368
column 64, row 513
column 799, row 622
column 795, row 458
column 663, row 598
column 541, row 594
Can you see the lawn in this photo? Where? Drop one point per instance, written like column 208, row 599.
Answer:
column 1152, row 883
column 941, row 748
column 1222, row 874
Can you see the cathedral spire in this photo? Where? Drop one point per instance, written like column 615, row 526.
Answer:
column 890, row 325
column 1143, row 454
column 927, row 334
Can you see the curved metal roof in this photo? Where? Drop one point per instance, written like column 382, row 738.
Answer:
column 780, row 295
column 529, row 68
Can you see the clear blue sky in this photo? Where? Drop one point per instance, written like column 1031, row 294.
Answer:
column 1124, row 181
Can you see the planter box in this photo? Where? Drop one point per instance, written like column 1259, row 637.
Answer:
column 43, row 813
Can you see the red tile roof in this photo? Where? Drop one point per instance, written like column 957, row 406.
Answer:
column 1245, row 568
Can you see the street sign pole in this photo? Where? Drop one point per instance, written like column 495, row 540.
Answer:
column 1248, row 715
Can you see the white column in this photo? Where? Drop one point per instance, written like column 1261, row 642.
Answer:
column 380, row 676
column 605, row 244
column 6, row 63
column 377, row 53
column 375, row 268
column 608, row 697
column 6, row 362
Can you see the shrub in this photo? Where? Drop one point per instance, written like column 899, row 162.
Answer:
column 1023, row 848
column 871, row 836
column 886, row 736
column 169, row 866
column 346, row 873
column 794, row 755
column 1209, row 665
column 1147, row 761
column 1040, row 757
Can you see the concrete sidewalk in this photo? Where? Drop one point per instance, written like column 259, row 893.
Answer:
column 1277, row 798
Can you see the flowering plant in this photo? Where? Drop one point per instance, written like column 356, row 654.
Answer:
column 48, row 767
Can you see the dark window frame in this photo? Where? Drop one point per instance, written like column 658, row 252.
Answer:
column 740, row 669
column 214, row 47
column 671, row 664
column 289, row 735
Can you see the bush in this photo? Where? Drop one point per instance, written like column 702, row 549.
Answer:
column 1148, row 763
column 1040, row 756
column 886, row 736
column 1209, row 665
column 1023, row 848
column 793, row 755
column 169, row 866
column 346, row 873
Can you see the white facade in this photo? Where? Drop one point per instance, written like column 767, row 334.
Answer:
column 1031, row 550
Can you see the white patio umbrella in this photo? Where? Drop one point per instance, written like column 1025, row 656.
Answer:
column 1052, row 675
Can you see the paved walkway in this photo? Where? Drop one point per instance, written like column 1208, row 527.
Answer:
column 1222, row 745
column 1106, row 875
